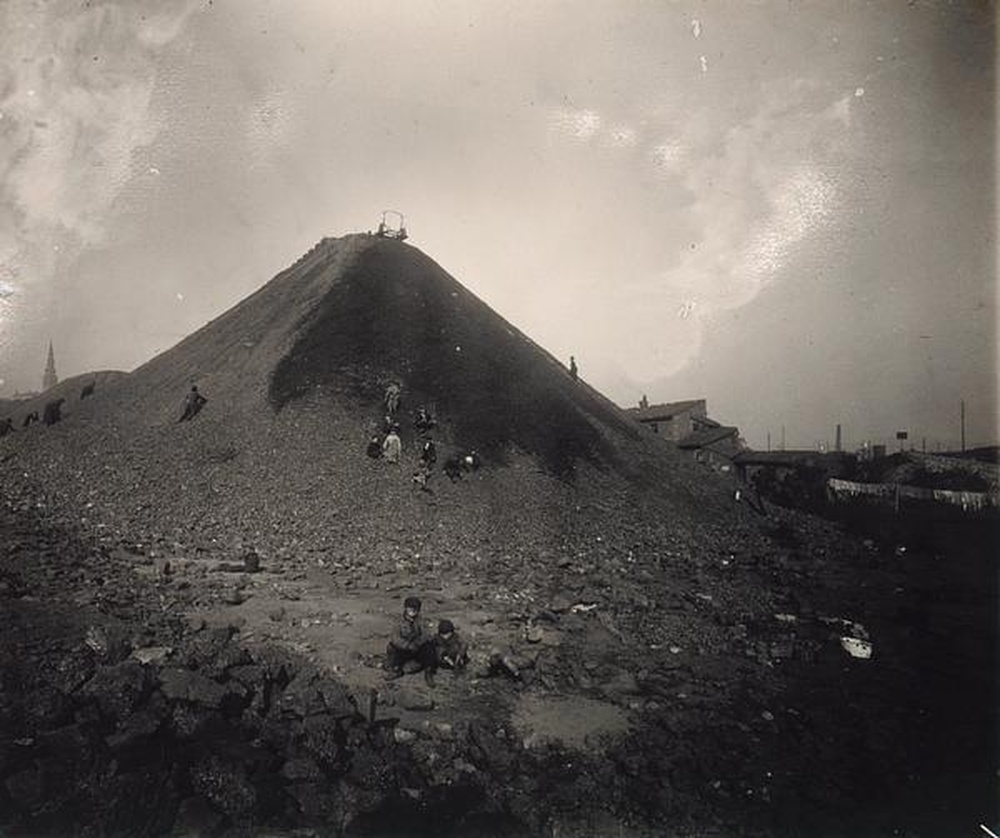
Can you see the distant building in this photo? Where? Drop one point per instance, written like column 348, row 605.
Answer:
column 687, row 424
column 716, row 446
column 50, row 379
column 673, row 420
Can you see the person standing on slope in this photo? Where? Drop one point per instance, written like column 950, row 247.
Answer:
column 572, row 368
column 392, row 398
column 392, row 447
column 193, row 402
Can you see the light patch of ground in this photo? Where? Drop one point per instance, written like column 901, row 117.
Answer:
column 572, row 721
column 345, row 632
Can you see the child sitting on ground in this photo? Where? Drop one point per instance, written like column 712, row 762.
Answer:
column 449, row 651
column 408, row 644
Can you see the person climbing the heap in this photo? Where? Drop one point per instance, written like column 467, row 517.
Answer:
column 193, row 403
column 428, row 454
column 409, row 649
column 392, row 398
column 423, row 420
column 374, row 449
column 6, row 427
column 53, row 412
column 392, row 448
column 573, row 371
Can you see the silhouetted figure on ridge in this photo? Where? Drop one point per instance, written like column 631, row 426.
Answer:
column 31, row 417
column 573, row 372
column 193, row 403
column 643, row 402
column 53, row 411
column 6, row 427
column 88, row 390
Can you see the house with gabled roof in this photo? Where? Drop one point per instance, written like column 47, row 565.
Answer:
column 672, row 420
column 687, row 424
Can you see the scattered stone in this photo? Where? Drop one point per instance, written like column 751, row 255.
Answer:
column 533, row 634
column 109, row 642
column 622, row 683
column 152, row 654
column 120, row 688
column 403, row 735
column 301, row 768
column 185, row 685
column 412, row 700
column 225, row 785
column 234, row 597
column 302, row 696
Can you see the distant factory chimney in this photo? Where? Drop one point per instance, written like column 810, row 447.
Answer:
column 838, row 438
column 50, row 379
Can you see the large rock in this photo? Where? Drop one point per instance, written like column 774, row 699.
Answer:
column 337, row 698
column 119, row 689
column 303, row 697
column 225, row 786
column 185, row 685
column 321, row 736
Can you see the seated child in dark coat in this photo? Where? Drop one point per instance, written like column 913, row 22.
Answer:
column 450, row 651
column 408, row 642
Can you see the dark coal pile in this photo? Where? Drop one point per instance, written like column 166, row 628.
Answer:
column 682, row 665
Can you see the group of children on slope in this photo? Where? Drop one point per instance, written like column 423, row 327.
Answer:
column 412, row 649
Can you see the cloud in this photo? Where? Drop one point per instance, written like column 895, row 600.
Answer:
column 760, row 192
column 76, row 86
column 579, row 124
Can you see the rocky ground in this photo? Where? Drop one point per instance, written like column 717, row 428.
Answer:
column 150, row 692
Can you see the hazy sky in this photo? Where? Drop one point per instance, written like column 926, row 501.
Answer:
column 786, row 208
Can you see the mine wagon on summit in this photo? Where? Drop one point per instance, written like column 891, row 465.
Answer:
column 392, row 226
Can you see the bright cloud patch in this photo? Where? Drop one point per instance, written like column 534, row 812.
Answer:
column 78, row 84
column 757, row 201
column 579, row 124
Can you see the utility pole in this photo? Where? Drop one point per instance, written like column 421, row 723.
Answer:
column 963, row 425
column 838, row 437
column 782, row 437
column 768, row 440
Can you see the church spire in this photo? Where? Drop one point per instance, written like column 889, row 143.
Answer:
column 50, row 379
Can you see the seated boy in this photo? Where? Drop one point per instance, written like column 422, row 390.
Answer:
column 408, row 643
column 450, row 651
